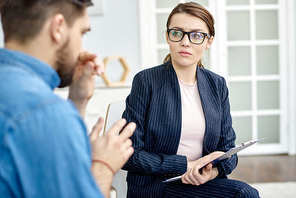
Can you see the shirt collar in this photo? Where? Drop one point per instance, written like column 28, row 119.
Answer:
column 43, row 70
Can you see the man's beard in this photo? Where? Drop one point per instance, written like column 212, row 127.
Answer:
column 65, row 68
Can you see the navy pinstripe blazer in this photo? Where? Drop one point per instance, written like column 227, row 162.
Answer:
column 154, row 104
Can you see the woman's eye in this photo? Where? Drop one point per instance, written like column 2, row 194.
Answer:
column 197, row 35
column 177, row 33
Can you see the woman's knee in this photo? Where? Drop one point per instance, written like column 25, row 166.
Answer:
column 248, row 192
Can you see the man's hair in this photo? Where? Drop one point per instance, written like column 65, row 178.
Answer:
column 22, row 20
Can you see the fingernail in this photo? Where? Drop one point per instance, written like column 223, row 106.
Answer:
column 133, row 125
column 100, row 71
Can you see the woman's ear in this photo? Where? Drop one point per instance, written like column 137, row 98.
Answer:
column 209, row 43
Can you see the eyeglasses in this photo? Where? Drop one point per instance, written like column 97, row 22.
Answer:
column 197, row 38
column 86, row 3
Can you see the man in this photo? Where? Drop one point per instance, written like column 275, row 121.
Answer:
column 44, row 147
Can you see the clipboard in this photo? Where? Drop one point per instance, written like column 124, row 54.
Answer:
column 226, row 155
column 113, row 114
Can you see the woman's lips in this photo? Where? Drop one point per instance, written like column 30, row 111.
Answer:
column 184, row 53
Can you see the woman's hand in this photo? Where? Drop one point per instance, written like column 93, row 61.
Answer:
column 201, row 171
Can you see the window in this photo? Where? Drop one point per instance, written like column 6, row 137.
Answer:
column 249, row 51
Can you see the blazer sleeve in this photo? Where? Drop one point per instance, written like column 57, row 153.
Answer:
column 227, row 138
column 137, row 108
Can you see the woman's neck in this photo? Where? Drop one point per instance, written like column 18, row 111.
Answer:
column 186, row 74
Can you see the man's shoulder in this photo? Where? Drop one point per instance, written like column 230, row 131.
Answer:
column 22, row 93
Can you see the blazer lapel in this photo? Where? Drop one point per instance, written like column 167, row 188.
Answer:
column 175, row 101
column 210, row 105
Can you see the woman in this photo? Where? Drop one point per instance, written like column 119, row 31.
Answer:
column 183, row 118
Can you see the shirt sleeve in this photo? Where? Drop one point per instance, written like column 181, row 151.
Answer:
column 50, row 154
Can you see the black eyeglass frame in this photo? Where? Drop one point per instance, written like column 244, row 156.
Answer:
column 206, row 35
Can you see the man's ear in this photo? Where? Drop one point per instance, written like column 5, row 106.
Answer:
column 58, row 28
column 209, row 43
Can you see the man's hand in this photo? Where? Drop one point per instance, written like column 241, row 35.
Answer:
column 196, row 177
column 112, row 148
column 83, row 82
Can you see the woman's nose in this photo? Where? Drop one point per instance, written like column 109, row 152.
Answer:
column 185, row 41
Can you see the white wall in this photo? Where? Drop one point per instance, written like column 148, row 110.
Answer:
column 115, row 33
column 293, row 150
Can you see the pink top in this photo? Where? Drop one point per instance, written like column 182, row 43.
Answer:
column 193, row 122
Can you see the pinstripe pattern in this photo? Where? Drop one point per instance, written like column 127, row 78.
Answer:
column 217, row 188
column 154, row 104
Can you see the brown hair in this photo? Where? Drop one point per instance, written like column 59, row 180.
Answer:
column 193, row 9
column 22, row 20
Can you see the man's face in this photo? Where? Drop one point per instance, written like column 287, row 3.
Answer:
column 68, row 54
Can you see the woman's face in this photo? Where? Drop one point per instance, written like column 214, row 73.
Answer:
column 185, row 53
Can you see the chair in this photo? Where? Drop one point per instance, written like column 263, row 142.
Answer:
column 114, row 113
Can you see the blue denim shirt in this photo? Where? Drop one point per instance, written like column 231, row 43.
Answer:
column 44, row 147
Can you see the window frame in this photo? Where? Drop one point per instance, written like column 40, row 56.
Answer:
column 218, row 60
